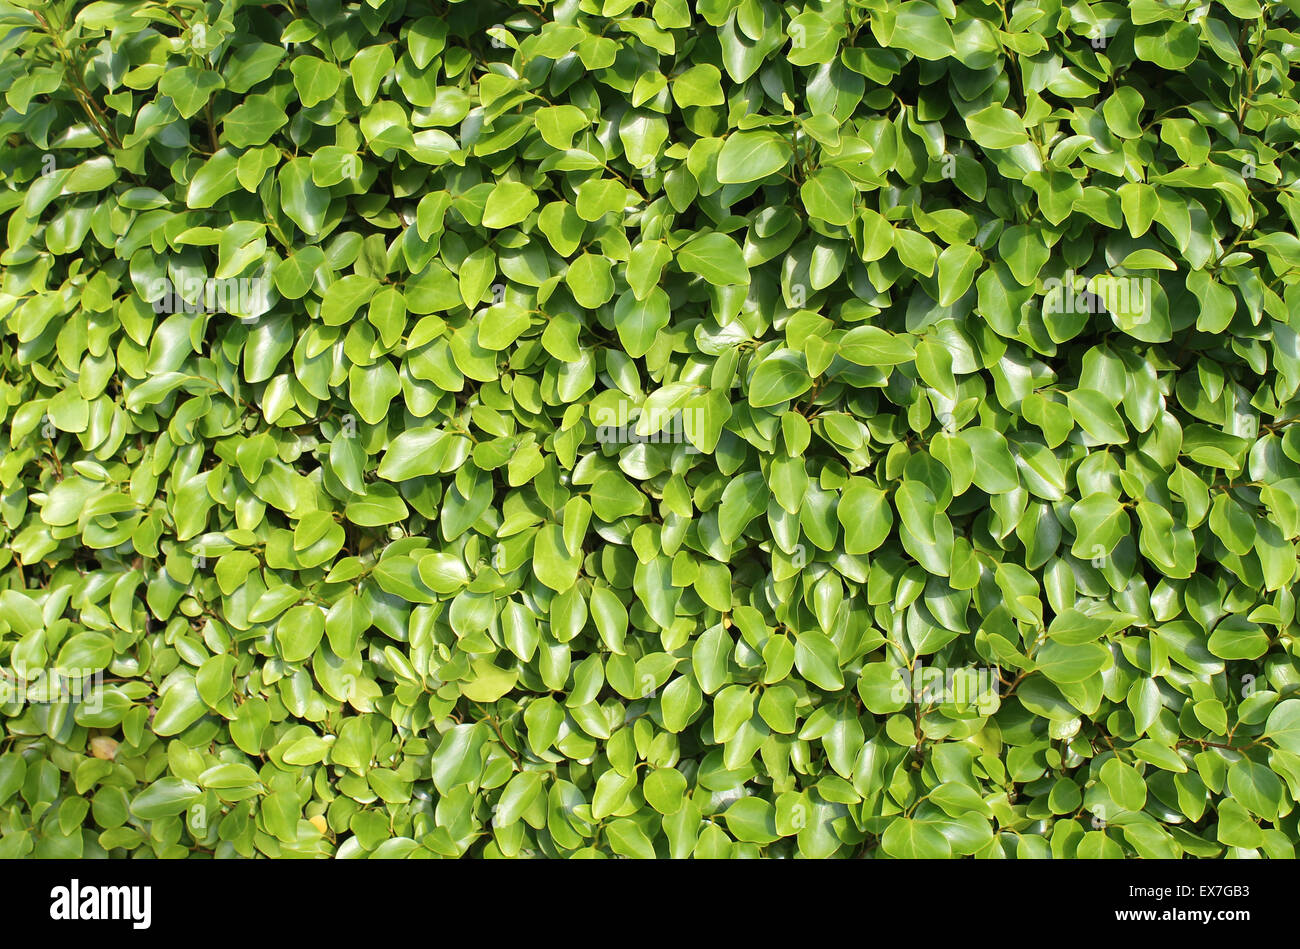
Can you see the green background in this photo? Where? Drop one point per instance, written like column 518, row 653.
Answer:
column 971, row 332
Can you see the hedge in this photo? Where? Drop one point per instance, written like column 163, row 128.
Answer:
column 611, row 428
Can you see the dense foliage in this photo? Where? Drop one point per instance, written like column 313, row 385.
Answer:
column 642, row 428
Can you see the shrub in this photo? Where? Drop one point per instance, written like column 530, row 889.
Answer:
column 622, row 428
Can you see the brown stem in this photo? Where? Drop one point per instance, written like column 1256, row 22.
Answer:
column 93, row 112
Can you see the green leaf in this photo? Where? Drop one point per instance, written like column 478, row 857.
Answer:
column 779, row 378
column 165, row 797
column 1283, row 725
column 698, row 86
column 628, row 840
column 1125, row 784
column 751, row 156
column 216, row 179
column 253, row 122
column 315, row 79
column 864, row 511
column 190, row 88
column 299, row 632
column 1096, row 416
column 872, row 346
column 996, row 127
column 488, row 682
column 995, row 468
column 909, row 839
column 509, row 203
column 1063, row 663
column 301, row 199
column 716, row 258
column 817, row 659
column 917, row 27
column 752, row 819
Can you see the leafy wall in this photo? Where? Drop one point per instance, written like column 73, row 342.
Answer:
column 629, row 428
